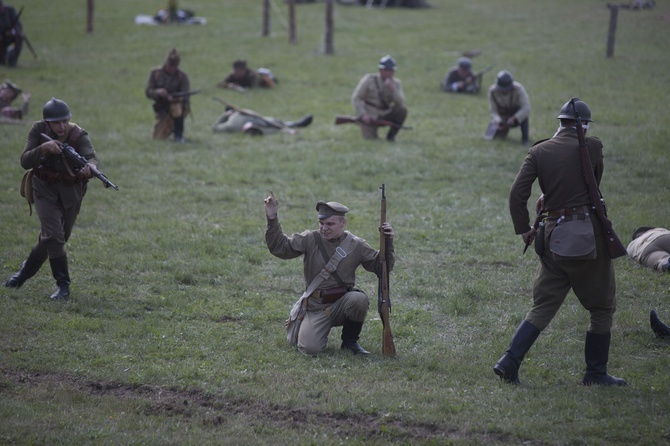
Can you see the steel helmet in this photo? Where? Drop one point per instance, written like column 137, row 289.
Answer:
column 574, row 107
column 387, row 63
column 504, row 80
column 56, row 110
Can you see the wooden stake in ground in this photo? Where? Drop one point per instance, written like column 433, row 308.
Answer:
column 292, row 39
column 266, row 18
column 89, row 16
column 614, row 14
column 328, row 43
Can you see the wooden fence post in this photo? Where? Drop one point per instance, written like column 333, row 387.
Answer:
column 292, row 39
column 329, row 28
column 89, row 16
column 266, row 17
column 611, row 33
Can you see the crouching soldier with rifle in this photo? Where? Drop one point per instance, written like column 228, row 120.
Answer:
column 57, row 191
column 169, row 87
column 379, row 96
column 331, row 257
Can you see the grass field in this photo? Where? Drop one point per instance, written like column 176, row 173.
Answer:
column 174, row 332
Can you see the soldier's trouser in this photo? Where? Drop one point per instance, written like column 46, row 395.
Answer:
column 657, row 254
column 398, row 114
column 163, row 126
column 592, row 281
column 320, row 318
column 56, row 227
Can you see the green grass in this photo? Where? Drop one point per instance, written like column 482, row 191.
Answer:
column 174, row 333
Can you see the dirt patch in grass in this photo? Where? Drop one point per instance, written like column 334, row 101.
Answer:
column 213, row 410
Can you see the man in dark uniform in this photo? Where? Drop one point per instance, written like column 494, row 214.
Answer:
column 8, row 92
column 380, row 96
column 461, row 79
column 556, row 164
column 11, row 35
column 58, row 191
column 169, row 110
column 337, row 302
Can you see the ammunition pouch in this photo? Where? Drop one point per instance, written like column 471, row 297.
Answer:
column 331, row 295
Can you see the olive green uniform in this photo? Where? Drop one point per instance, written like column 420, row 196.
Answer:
column 320, row 316
column 58, row 195
column 557, row 166
column 166, row 113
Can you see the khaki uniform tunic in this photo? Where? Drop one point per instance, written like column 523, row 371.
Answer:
column 651, row 249
column 556, row 164
column 57, row 202
column 321, row 317
column 504, row 104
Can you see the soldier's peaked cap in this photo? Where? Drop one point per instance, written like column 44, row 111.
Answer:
column 331, row 208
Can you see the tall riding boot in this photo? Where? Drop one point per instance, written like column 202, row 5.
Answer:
column 661, row 330
column 60, row 272
column 28, row 269
column 596, row 353
column 524, row 132
column 179, row 129
column 350, row 333
column 507, row 367
column 390, row 136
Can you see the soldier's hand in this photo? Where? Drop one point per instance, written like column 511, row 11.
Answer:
column 162, row 92
column 271, row 206
column 529, row 236
column 389, row 83
column 51, row 147
column 388, row 229
column 367, row 119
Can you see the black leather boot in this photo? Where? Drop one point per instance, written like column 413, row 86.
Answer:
column 179, row 130
column 304, row 122
column 507, row 367
column 390, row 136
column 661, row 330
column 60, row 272
column 350, row 332
column 28, row 269
column 596, row 353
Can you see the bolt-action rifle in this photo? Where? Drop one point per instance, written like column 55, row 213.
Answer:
column 79, row 161
column 163, row 103
column 383, row 298
column 614, row 246
column 343, row 119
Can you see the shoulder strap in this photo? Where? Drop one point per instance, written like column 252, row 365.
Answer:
column 328, row 260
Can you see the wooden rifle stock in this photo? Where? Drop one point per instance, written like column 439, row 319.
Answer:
column 614, row 246
column 344, row 119
column 383, row 298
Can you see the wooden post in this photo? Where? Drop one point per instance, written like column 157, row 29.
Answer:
column 292, row 39
column 614, row 13
column 89, row 16
column 266, row 18
column 328, row 44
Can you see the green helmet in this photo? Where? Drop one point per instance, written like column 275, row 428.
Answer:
column 575, row 107
column 387, row 63
column 504, row 80
column 56, row 110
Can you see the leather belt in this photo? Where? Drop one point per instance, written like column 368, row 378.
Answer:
column 568, row 212
column 330, row 295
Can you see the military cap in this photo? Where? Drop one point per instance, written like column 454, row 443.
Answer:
column 464, row 62
column 173, row 57
column 11, row 85
column 331, row 208
column 641, row 230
